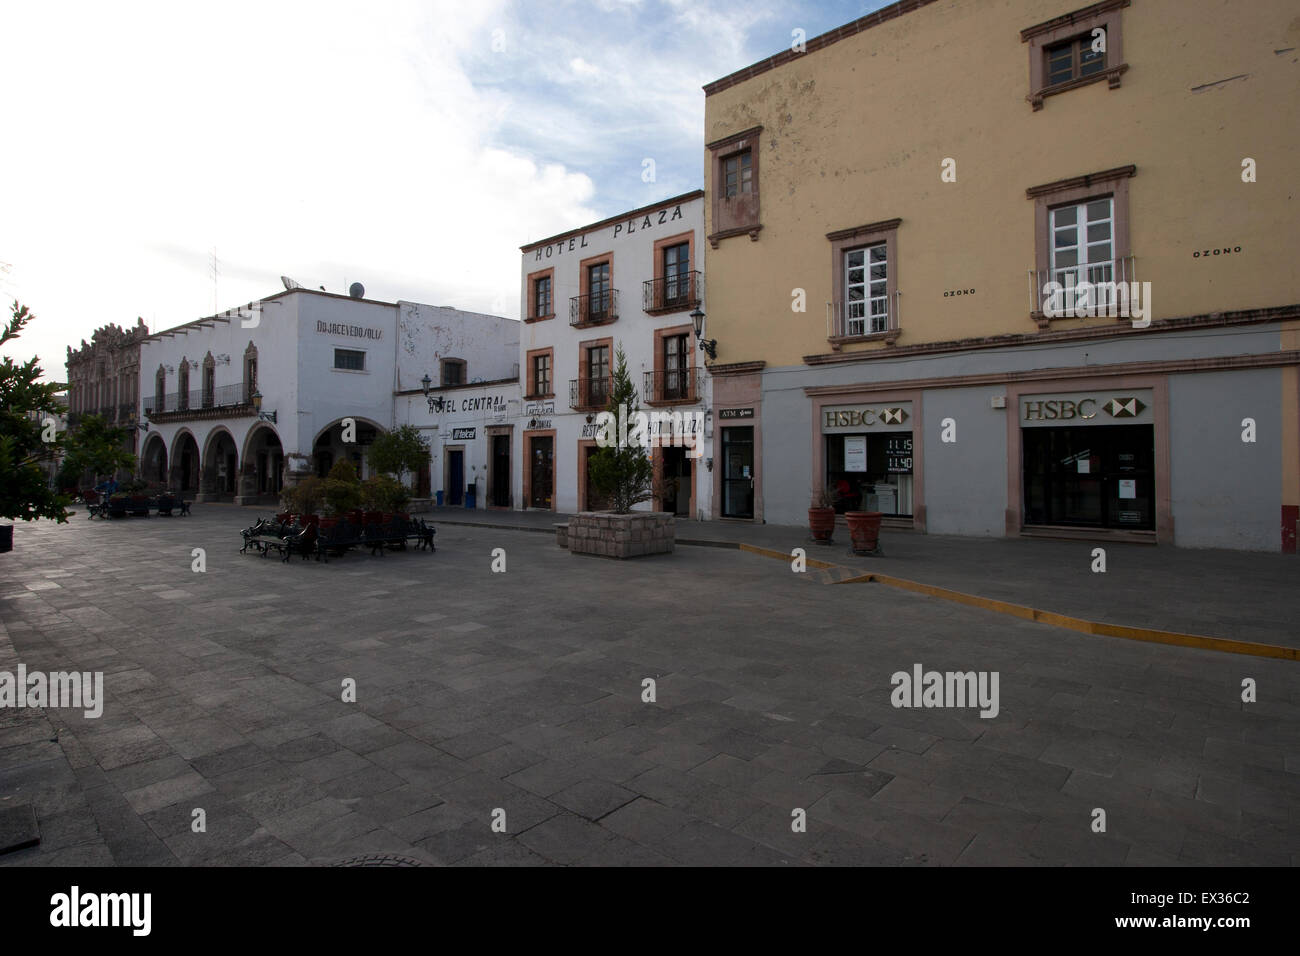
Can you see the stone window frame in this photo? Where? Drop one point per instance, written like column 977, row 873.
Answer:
column 451, row 360
column 584, row 288
column 530, row 380
column 1071, row 26
column 583, row 366
column 209, row 368
column 659, row 367
column 1109, row 183
column 857, row 237
column 531, row 285
column 183, row 384
column 160, row 388
column 682, row 238
column 250, row 372
column 719, row 151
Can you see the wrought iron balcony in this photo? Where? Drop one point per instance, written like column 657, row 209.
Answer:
column 1083, row 291
column 200, row 403
column 586, row 394
column 668, row 387
column 594, row 308
column 673, row 293
column 863, row 319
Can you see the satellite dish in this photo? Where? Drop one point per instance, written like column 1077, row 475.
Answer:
column 289, row 283
column 357, row 290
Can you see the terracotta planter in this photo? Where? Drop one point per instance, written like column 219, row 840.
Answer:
column 864, row 530
column 821, row 521
column 327, row 522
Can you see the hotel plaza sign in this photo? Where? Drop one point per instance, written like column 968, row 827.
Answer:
column 892, row 416
column 1127, row 407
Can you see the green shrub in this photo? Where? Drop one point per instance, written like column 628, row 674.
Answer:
column 342, row 488
column 306, row 497
column 383, row 493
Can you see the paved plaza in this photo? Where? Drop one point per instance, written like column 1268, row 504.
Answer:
column 516, row 698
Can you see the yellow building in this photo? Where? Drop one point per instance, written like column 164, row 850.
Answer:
column 1014, row 268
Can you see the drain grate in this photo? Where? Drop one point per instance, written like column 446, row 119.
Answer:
column 379, row 859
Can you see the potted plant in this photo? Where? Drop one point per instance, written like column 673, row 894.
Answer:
column 342, row 489
column 821, row 514
column 864, row 530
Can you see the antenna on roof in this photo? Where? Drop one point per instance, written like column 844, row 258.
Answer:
column 289, row 283
column 214, row 266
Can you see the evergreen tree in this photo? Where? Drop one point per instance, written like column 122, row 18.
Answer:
column 623, row 475
column 24, row 404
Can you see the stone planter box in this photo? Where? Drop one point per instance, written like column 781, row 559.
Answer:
column 562, row 535
column 621, row 536
column 419, row 505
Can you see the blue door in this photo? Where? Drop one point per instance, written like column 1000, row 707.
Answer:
column 455, row 478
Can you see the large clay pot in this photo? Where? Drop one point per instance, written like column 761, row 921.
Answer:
column 864, row 530
column 821, row 521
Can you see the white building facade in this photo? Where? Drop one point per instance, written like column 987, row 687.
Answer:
column 631, row 281
column 240, row 404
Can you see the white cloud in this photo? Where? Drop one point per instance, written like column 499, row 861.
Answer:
column 294, row 139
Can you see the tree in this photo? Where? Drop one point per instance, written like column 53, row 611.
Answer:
column 97, row 447
column 342, row 488
column 622, row 472
column 25, row 403
column 399, row 451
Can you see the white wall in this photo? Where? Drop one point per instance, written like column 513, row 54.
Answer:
column 631, row 241
column 488, row 344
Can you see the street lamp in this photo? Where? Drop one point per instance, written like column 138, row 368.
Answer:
column 708, row 346
column 257, row 406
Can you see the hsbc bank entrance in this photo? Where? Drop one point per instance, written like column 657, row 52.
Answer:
column 1088, row 460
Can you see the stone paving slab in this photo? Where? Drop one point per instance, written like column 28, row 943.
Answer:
column 771, row 697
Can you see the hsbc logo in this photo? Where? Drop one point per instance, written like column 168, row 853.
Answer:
column 1124, row 407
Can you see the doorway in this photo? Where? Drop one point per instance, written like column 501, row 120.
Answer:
column 455, row 477
column 676, row 482
column 738, row 472
column 500, row 471
column 594, row 500
column 541, row 464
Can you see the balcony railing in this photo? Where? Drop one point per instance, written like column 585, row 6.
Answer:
column 595, row 308
column 875, row 316
column 671, row 385
column 1083, row 291
column 672, row 293
column 589, row 393
column 197, row 399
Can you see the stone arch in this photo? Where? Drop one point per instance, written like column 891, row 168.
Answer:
column 261, row 472
column 219, row 480
column 329, row 445
column 185, row 463
column 153, row 459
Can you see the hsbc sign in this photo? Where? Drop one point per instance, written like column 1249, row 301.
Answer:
column 1130, row 407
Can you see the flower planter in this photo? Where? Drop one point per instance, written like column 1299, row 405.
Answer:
column 140, row 505
column 821, row 522
column 622, row 536
column 864, row 530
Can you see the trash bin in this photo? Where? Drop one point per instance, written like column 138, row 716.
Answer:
column 470, row 494
column 439, row 497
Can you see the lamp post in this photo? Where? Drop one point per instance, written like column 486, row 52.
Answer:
column 708, row 346
column 257, row 406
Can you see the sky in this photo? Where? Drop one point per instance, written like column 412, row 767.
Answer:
column 411, row 146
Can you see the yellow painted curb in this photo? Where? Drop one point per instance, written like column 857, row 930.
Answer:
column 784, row 556
column 1149, row 635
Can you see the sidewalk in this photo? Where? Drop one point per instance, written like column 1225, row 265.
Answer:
column 1240, row 595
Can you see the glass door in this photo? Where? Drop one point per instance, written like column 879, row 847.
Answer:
column 738, row 472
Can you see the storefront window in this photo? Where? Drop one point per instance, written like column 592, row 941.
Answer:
column 870, row 471
column 1099, row 477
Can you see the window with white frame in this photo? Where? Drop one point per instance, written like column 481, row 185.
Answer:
column 1083, row 244
column 866, row 297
